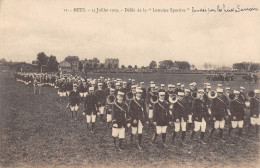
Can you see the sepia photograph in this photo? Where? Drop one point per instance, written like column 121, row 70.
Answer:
column 129, row 83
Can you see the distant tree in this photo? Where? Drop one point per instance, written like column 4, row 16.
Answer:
column 95, row 60
column 183, row 64
column 52, row 64
column 192, row 66
column 122, row 67
column 255, row 67
column 115, row 66
column 210, row 66
column 130, row 66
column 109, row 66
column 152, row 65
column 35, row 62
column 143, row 67
column 205, row 65
column 135, row 67
column 166, row 64
column 72, row 58
column 102, row 65
column 42, row 59
column 3, row 61
column 80, row 66
column 239, row 66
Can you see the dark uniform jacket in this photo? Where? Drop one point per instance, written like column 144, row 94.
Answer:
column 188, row 104
column 218, row 108
column 137, row 111
column 167, row 94
column 207, row 100
column 237, row 110
column 242, row 97
column 124, row 90
column 107, row 92
column 143, row 93
column 82, row 88
column 101, row 97
column 254, row 107
column 161, row 113
column 74, row 98
column 91, row 104
column 225, row 98
column 177, row 90
column 62, row 87
column 199, row 109
column 119, row 114
column 149, row 95
column 69, row 86
column 108, row 108
column 179, row 111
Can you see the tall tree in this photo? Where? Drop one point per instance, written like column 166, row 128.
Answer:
column 42, row 59
column 152, row 65
column 166, row 64
column 72, row 58
column 52, row 64
column 80, row 66
column 183, row 64
column 130, row 66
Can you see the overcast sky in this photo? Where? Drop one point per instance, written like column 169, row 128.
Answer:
column 28, row 27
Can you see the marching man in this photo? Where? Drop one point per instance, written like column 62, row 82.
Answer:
column 90, row 108
column 254, row 110
column 200, row 116
column 188, row 107
column 138, row 115
column 180, row 117
column 119, row 120
column 74, row 99
column 161, row 118
column 237, row 114
column 108, row 108
column 219, row 114
column 149, row 103
column 100, row 94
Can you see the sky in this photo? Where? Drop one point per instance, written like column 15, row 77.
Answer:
column 28, row 27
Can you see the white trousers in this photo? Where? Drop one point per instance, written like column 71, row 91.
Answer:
column 200, row 125
column 161, row 129
column 219, row 124
column 178, row 125
column 118, row 132
column 138, row 129
column 74, row 108
column 238, row 124
column 109, row 119
column 101, row 109
column 150, row 113
column 62, row 94
column 91, row 118
column 255, row 121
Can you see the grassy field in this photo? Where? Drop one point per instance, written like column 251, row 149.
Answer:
column 36, row 131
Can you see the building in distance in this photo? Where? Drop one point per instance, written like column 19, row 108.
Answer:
column 111, row 63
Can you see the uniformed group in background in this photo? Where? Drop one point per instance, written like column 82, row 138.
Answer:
column 221, row 77
column 250, row 78
column 127, row 106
